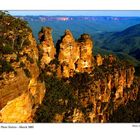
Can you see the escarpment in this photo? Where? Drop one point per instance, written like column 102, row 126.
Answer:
column 89, row 97
column 63, row 83
column 21, row 91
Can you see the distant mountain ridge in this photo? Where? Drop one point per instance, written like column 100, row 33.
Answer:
column 126, row 41
column 57, row 17
column 80, row 24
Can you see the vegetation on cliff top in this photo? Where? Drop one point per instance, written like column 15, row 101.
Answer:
column 13, row 38
column 63, row 96
column 13, row 33
column 60, row 99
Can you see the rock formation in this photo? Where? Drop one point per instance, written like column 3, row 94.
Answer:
column 68, row 54
column 92, row 97
column 99, row 60
column 103, row 95
column 20, row 94
column 85, row 62
column 21, row 91
column 75, row 56
column 46, row 47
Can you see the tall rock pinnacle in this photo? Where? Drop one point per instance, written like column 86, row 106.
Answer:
column 85, row 61
column 46, row 46
column 75, row 56
column 68, row 54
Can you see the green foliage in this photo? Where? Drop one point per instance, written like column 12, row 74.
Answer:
column 5, row 66
column 57, row 89
column 137, row 71
column 58, row 92
column 128, row 113
column 6, row 49
column 27, row 73
column 13, row 33
column 13, row 38
column 125, row 44
column 22, row 65
column 80, row 80
column 30, row 59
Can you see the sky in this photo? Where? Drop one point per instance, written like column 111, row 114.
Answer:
column 130, row 13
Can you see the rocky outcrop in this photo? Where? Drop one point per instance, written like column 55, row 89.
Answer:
column 46, row 47
column 68, row 55
column 22, row 108
column 106, row 90
column 91, row 97
column 99, row 60
column 85, row 61
column 75, row 56
column 20, row 90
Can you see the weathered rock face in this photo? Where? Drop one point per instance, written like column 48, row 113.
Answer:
column 105, row 92
column 23, row 107
column 130, row 76
column 68, row 54
column 20, row 90
column 75, row 56
column 104, row 95
column 91, row 97
column 46, row 47
column 99, row 60
column 13, row 84
column 20, row 87
column 85, row 61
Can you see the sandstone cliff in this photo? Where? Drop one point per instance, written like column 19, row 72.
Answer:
column 46, row 47
column 90, row 97
column 20, row 89
column 68, row 54
column 75, row 56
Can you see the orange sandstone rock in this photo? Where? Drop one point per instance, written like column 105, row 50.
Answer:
column 46, row 47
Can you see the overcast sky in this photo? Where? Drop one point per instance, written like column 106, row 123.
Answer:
column 77, row 13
